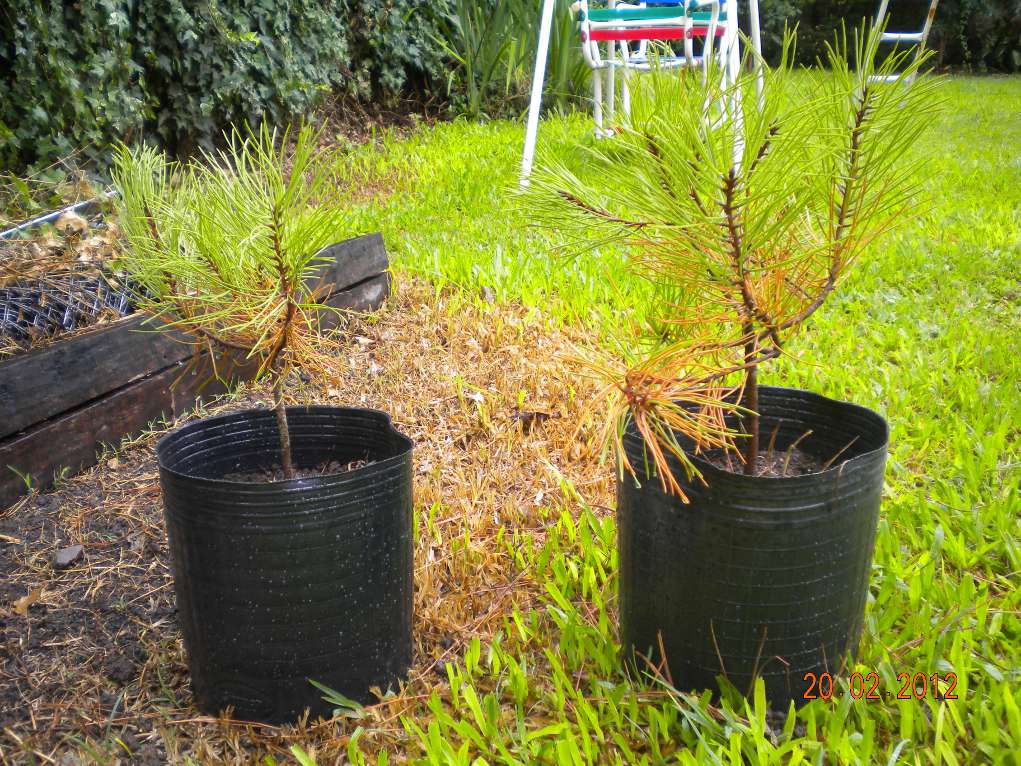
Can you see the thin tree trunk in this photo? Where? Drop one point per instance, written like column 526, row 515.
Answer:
column 285, row 432
column 750, row 420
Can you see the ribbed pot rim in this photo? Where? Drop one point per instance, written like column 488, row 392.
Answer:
column 635, row 444
column 171, row 440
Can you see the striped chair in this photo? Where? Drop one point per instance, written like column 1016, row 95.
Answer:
column 616, row 35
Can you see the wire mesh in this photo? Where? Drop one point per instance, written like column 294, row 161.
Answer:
column 58, row 303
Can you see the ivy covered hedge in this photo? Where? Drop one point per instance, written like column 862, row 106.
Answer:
column 76, row 76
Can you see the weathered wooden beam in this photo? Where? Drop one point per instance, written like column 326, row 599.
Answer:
column 366, row 296
column 41, row 384
column 349, row 263
column 70, row 442
column 60, row 404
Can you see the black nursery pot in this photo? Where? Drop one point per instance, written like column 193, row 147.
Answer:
column 281, row 582
column 756, row 576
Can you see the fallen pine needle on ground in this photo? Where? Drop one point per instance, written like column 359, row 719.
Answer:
column 490, row 405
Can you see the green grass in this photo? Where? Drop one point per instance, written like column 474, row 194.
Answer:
column 452, row 217
column 927, row 330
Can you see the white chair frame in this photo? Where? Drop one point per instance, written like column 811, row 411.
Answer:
column 619, row 55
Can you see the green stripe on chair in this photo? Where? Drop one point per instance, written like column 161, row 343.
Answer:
column 648, row 14
column 634, row 14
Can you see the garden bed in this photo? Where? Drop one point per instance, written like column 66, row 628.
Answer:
column 57, row 278
column 938, row 355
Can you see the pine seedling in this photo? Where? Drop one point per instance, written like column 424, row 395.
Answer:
column 226, row 248
column 746, row 214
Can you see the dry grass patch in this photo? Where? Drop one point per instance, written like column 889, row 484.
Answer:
column 96, row 668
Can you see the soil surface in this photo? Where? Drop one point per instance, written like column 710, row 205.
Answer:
column 89, row 638
column 82, row 640
column 772, row 463
column 276, row 473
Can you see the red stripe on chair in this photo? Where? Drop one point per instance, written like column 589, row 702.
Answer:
column 649, row 33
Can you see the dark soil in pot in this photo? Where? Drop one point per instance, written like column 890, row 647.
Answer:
column 284, row 581
column 775, row 463
column 759, row 575
column 277, row 473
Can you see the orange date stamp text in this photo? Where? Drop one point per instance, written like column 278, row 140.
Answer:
column 869, row 687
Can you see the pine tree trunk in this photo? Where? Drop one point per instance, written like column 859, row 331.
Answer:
column 285, row 433
column 750, row 420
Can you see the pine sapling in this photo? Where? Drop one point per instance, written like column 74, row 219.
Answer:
column 226, row 248
column 743, row 216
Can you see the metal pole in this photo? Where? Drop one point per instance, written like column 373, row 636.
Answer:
column 611, row 77
column 79, row 207
column 733, row 84
column 538, row 77
column 753, row 22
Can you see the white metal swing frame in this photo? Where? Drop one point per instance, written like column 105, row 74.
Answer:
column 917, row 39
column 619, row 53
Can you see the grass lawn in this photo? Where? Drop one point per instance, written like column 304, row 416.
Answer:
column 516, row 651
column 927, row 331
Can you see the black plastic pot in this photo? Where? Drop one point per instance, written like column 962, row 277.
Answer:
column 757, row 576
column 281, row 582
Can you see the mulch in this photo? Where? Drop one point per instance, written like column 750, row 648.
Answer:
column 100, row 636
column 91, row 663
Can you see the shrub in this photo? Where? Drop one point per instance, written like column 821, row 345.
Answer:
column 69, row 79
column 227, row 246
column 983, row 35
column 81, row 75
column 491, row 49
column 207, row 65
column 754, row 212
column 393, row 47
